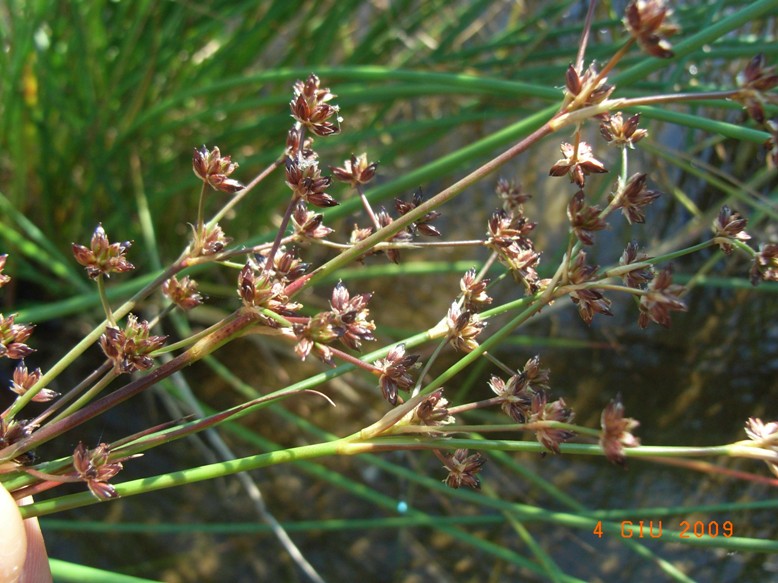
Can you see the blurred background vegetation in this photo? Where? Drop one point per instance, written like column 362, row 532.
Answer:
column 101, row 104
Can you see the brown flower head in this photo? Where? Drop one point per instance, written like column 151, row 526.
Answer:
column 557, row 410
column 14, row 431
column 214, row 169
column 616, row 431
column 755, row 81
column 286, row 266
column 767, row 435
column 645, row 21
column 578, row 163
column 587, row 87
column 508, row 237
column 308, row 225
column 294, row 149
column 463, row 328
column 621, row 132
column 661, row 298
column 314, row 335
column 589, row 301
column 4, row 279
column 355, row 171
column 304, row 178
column 95, row 467
column 515, row 395
column 13, row 337
column 211, row 242
column 182, row 293
column 395, row 372
column 639, row 276
column 584, row 219
column 128, row 349
column 102, row 256
column 765, row 265
column 350, row 317
column 422, row 225
column 474, row 296
column 463, row 469
column 403, row 236
column 633, row 197
column 511, row 195
column 260, row 288
column 310, row 107
column 23, row 380
column 433, row 410
column 729, row 224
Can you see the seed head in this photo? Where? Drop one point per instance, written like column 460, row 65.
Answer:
column 210, row 242
column 474, row 296
column 463, row 328
column 578, row 163
column 584, row 219
column 308, row 225
column 23, row 380
column 310, row 107
column 616, row 431
column 542, row 410
column 729, row 224
column 639, row 276
column 463, row 469
column 422, row 225
column 395, row 372
column 512, row 195
column 589, row 84
column 589, row 301
column 634, row 197
column 767, row 435
column 645, row 21
column 621, row 132
column 433, row 411
column 102, row 256
column 661, row 298
column 13, row 337
column 214, row 169
column 350, row 317
column 260, row 288
column 765, row 265
column 95, row 468
column 182, row 293
column 355, row 171
column 128, row 349
column 755, row 82
column 307, row 183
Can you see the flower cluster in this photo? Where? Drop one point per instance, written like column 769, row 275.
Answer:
column 13, row 337
column 508, row 237
column 765, row 266
column 617, row 431
column 646, row 22
column 304, row 177
column 4, row 279
column 24, row 380
column 464, row 327
column 589, row 88
column 129, row 349
column 584, row 219
column 639, row 276
column 355, row 171
column 463, row 469
column 347, row 321
column 394, row 372
column 311, row 108
column 621, row 132
column 755, row 81
column 214, row 169
column 308, row 225
column 103, row 257
column 589, row 301
column 729, row 224
column 766, row 434
column 95, row 467
column 209, row 242
column 260, row 288
column 660, row 298
column 182, row 293
column 633, row 197
column 578, row 163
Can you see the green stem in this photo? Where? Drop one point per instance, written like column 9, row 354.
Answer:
column 88, row 396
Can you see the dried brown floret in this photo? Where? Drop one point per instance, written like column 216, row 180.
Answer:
column 646, row 22
column 474, row 296
column 102, row 256
column 304, row 178
column 661, row 298
column 421, row 225
column 639, row 276
column 463, row 328
column 4, row 279
column 589, row 301
column 310, row 107
column 13, row 338
column 355, row 171
column 308, row 225
column 512, row 195
column 588, row 84
column 634, row 197
column 463, row 469
column 182, row 293
column 350, row 317
column 542, row 410
column 621, row 132
column 95, row 467
column 755, row 82
column 23, row 381
column 765, row 265
column 395, row 373
column 128, row 349
column 729, row 224
column 214, row 169
column 578, row 162
column 584, row 219
column 617, row 431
